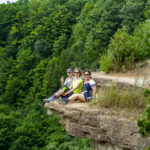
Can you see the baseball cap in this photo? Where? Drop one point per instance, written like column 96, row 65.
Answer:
column 69, row 70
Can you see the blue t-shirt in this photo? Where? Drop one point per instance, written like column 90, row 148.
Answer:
column 88, row 88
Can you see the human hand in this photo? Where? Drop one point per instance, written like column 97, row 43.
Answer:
column 64, row 94
column 62, row 80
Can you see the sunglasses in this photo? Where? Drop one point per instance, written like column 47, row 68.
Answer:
column 76, row 72
column 86, row 74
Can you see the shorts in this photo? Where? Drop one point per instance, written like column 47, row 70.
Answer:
column 87, row 96
column 66, row 89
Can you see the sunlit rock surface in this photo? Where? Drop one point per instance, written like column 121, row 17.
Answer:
column 107, row 129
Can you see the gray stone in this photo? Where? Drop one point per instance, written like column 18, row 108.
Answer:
column 107, row 130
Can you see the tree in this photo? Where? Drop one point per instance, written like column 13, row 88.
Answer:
column 130, row 9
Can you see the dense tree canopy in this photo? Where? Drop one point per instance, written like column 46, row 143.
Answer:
column 40, row 39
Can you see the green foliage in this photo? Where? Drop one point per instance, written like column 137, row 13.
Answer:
column 40, row 39
column 13, row 90
column 59, row 45
column 106, row 63
column 147, row 12
column 129, row 98
column 122, row 51
column 126, row 50
column 5, row 109
column 25, row 60
column 128, row 12
column 7, row 126
column 144, row 123
column 7, row 15
column 93, row 31
column 42, row 48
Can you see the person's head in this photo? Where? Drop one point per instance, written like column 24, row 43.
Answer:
column 69, row 72
column 87, row 75
column 77, row 72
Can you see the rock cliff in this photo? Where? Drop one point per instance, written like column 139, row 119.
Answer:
column 107, row 129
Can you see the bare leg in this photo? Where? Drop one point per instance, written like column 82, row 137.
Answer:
column 77, row 97
column 73, row 97
column 81, row 98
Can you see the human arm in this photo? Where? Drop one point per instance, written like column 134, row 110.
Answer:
column 93, row 86
column 62, row 80
column 94, row 91
column 73, row 89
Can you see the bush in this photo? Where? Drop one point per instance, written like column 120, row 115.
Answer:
column 106, row 63
column 126, row 50
column 129, row 98
column 144, row 123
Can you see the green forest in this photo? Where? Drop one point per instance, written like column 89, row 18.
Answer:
column 40, row 39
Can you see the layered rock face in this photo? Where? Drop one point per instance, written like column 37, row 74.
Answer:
column 107, row 129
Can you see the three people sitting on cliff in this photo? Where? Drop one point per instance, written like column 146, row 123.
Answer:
column 73, row 86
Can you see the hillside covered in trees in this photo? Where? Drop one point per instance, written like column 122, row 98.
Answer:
column 40, row 39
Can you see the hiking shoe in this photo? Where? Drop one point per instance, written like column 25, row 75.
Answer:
column 64, row 99
column 50, row 98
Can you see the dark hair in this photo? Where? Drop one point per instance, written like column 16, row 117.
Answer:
column 80, row 74
column 88, row 72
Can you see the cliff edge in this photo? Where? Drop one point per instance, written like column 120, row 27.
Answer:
column 106, row 129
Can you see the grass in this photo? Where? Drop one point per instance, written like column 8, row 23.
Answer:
column 126, row 98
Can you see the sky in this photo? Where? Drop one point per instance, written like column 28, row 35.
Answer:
column 5, row 1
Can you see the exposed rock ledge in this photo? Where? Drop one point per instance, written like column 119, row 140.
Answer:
column 107, row 130
column 107, row 80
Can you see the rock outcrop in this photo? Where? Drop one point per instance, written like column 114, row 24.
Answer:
column 107, row 80
column 107, row 129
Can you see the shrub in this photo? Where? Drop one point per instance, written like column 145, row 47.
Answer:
column 129, row 98
column 144, row 123
column 106, row 63
column 125, row 50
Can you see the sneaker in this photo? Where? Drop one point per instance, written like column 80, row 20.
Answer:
column 50, row 98
column 64, row 99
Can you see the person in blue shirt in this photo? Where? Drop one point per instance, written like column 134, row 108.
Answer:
column 89, row 89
